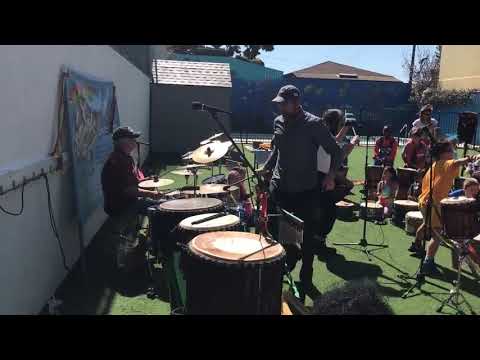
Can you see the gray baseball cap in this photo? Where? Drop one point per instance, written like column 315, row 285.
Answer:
column 287, row 92
column 125, row 132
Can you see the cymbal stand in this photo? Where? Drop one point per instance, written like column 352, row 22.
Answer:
column 194, row 172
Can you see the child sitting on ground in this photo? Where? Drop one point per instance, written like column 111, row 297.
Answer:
column 386, row 190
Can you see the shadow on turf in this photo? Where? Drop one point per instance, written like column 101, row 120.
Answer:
column 350, row 270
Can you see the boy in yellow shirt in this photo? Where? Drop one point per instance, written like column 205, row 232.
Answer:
column 445, row 169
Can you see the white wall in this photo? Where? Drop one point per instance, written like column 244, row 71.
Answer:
column 30, row 261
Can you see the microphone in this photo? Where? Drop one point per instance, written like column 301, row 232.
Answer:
column 198, row 106
column 143, row 143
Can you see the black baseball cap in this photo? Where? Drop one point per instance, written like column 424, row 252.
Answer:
column 125, row 132
column 286, row 93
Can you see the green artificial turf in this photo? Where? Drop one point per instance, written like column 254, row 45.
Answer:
column 107, row 292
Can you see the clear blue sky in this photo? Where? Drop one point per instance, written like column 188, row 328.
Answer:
column 385, row 59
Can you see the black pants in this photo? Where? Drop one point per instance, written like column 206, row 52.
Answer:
column 325, row 210
column 301, row 205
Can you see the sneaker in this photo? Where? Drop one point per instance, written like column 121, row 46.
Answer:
column 414, row 248
column 430, row 268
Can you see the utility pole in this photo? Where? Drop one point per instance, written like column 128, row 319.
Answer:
column 412, row 66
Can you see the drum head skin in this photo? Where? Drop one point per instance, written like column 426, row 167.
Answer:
column 457, row 201
column 372, row 205
column 414, row 215
column 210, row 225
column 344, row 204
column 152, row 184
column 213, row 189
column 408, row 203
column 184, row 205
column 233, row 246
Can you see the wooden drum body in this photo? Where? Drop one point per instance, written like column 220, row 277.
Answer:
column 400, row 209
column 374, row 175
column 166, row 216
column 413, row 220
column 373, row 211
column 223, row 279
column 459, row 218
column 406, row 177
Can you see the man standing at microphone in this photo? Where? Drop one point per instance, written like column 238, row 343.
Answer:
column 293, row 186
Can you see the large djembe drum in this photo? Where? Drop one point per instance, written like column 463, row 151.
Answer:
column 229, row 272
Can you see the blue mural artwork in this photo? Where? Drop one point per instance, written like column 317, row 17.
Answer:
column 91, row 114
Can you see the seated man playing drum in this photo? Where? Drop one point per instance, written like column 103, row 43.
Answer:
column 385, row 148
column 445, row 170
column 415, row 151
column 120, row 178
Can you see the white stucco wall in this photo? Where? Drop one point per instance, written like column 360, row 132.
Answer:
column 30, row 261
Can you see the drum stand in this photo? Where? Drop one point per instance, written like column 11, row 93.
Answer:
column 460, row 249
column 363, row 243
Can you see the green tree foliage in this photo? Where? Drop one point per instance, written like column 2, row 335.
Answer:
column 425, row 81
column 249, row 52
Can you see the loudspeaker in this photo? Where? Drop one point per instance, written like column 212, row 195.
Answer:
column 467, row 126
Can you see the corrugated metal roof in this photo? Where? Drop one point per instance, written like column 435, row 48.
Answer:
column 191, row 73
column 332, row 70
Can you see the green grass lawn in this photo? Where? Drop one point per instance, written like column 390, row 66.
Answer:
column 109, row 293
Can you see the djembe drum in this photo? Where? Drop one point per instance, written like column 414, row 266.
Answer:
column 374, row 175
column 166, row 216
column 459, row 218
column 400, row 209
column 413, row 220
column 345, row 210
column 406, row 177
column 372, row 211
column 234, row 273
column 189, row 228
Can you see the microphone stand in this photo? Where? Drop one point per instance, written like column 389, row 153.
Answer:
column 363, row 243
column 261, row 199
column 419, row 275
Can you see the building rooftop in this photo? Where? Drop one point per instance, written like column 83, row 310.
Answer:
column 191, row 73
column 333, row 70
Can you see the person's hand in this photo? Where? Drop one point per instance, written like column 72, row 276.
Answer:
column 355, row 140
column 328, row 183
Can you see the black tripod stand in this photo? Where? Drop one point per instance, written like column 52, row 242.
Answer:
column 363, row 243
column 419, row 275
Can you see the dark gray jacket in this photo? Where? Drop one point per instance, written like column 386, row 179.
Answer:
column 294, row 152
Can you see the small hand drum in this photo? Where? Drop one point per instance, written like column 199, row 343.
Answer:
column 345, row 210
column 400, row 209
column 372, row 211
column 413, row 220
